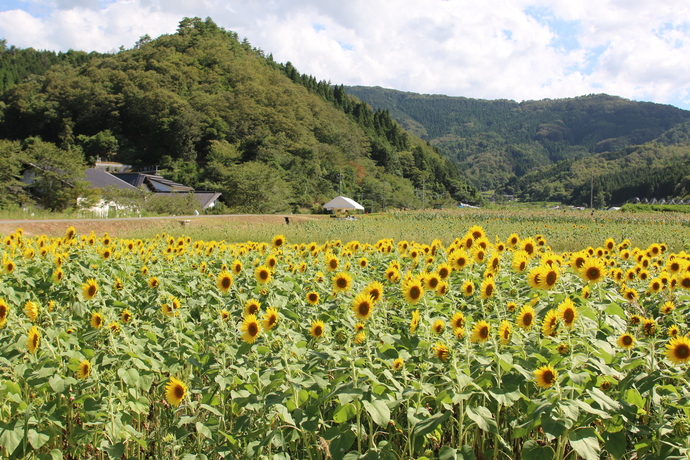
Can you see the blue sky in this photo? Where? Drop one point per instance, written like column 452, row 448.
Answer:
column 504, row 49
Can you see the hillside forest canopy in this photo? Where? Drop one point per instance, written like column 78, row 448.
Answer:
column 212, row 112
column 552, row 150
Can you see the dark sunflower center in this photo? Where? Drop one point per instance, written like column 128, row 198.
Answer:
column 627, row 340
column 569, row 315
column 179, row 392
column 551, row 278
column 592, row 273
column 341, row 282
column 226, row 282
column 364, row 308
column 682, row 351
column 484, row 332
column 548, row 377
column 263, row 275
column 489, row 289
column 527, row 319
column 92, row 290
column 253, row 329
column 415, row 292
column 318, row 331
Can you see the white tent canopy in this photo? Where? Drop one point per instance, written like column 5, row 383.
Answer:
column 342, row 202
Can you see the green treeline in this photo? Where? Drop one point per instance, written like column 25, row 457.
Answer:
column 548, row 149
column 215, row 113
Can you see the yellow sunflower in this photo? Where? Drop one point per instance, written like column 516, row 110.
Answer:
column 545, row 376
column 31, row 310
column 175, row 392
column 550, row 324
column 626, row 341
column 89, row 289
column 236, row 267
column 224, row 281
column 457, row 321
column 488, row 288
column 251, row 329
column 444, row 270
column 251, row 307
column 126, row 316
column 4, row 312
column 567, row 312
column 332, row 262
column 667, row 307
column 467, row 288
column 58, row 274
column 374, row 290
column 505, row 331
column 278, row 241
column 438, row 326
column 262, row 274
column 442, row 288
column 593, row 270
column 649, row 327
column 362, row 306
column 313, row 297
column 84, row 369
column 342, row 282
column 413, row 290
column 480, row 332
column 398, row 364
column 97, row 320
column 548, row 278
column 270, row 318
column 33, row 340
column 414, row 322
column 318, row 329
column 441, row 351
column 678, row 350
column 525, row 318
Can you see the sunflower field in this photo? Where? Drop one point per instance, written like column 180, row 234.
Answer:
column 476, row 348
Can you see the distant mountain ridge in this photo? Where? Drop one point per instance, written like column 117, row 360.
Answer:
column 497, row 142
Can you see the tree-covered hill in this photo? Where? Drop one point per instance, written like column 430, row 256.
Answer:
column 216, row 113
column 497, row 142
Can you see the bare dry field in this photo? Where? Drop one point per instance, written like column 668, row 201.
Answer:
column 132, row 226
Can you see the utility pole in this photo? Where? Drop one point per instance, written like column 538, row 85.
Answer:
column 340, row 183
column 591, row 193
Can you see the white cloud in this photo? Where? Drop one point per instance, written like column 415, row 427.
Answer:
column 519, row 49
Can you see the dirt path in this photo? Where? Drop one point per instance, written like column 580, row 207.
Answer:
column 119, row 226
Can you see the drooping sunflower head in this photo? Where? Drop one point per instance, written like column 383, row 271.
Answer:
column 545, row 376
column 550, row 324
column 649, row 327
column 414, row 322
column 398, row 364
column 457, row 321
column 175, row 392
column 89, row 289
column 488, row 288
column 250, row 328
column 441, row 351
column 154, row 282
column 33, row 340
column 97, row 320
column 342, row 282
column 480, row 332
column 439, row 326
column 678, row 350
column 84, row 369
column 505, row 331
column 270, row 318
column 362, row 306
column 317, row 329
column 126, row 316
column 31, row 309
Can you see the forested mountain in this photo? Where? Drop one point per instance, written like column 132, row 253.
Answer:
column 218, row 114
column 499, row 143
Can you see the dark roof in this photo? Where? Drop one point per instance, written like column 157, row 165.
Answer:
column 100, row 179
column 152, row 181
column 206, row 198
